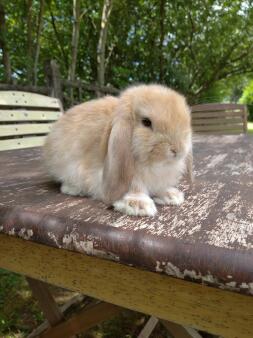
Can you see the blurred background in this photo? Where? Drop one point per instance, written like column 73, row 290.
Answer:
column 79, row 49
column 202, row 48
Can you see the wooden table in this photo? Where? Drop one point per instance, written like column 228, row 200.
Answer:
column 190, row 264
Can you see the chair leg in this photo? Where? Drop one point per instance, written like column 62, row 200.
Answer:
column 179, row 331
column 75, row 302
column 83, row 320
column 148, row 328
column 88, row 317
column 46, row 301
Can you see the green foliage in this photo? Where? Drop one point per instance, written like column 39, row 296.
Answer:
column 18, row 311
column 250, row 128
column 203, row 42
column 247, row 98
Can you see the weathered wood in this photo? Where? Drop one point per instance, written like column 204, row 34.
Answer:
column 83, row 320
column 189, row 304
column 19, row 143
column 213, row 114
column 46, row 301
column 218, row 132
column 245, row 120
column 215, row 117
column 28, row 115
column 25, row 99
column 56, row 80
column 148, row 328
column 76, row 300
column 25, row 129
column 25, row 88
column 90, row 87
column 179, row 331
column 217, row 106
column 218, row 121
column 212, row 127
column 26, row 107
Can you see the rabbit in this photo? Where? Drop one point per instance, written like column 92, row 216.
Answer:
column 128, row 151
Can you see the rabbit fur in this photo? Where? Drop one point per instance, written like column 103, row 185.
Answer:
column 129, row 151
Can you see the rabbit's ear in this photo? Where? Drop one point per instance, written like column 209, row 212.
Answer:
column 189, row 167
column 119, row 163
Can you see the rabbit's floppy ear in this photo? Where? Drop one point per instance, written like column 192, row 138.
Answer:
column 119, row 163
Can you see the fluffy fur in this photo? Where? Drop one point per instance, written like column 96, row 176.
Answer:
column 103, row 149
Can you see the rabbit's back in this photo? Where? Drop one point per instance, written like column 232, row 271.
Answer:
column 77, row 143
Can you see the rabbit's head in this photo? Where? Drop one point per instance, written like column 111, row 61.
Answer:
column 152, row 125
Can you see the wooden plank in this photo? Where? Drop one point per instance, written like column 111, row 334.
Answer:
column 28, row 115
column 46, row 301
column 220, row 114
column 20, row 143
column 76, row 300
column 245, row 120
column 227, row 120
column 189, row 304
column 219, row 127
column 82, row 321
column 25, row 99
column 56, row 80
column 179, row 331
column 33, row 89
column 219, row 132
column 148, row 328
column 217, row 106
column 25, row 129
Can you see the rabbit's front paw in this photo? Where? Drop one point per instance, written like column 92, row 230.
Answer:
column 172, row 196
column 136, row 205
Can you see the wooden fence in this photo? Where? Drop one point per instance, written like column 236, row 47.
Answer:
column 206, row 118
column 69, row 92
column 73, row 92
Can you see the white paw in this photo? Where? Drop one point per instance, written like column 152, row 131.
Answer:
column 172, row 196
column 70, row 190
column 136, row 205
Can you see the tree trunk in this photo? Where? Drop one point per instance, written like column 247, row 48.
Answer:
column 3, row 45
column 59, row 43
column 29, row 68
column 161, row 58
column 37, row 47
column 75, row 39
column 107, row 7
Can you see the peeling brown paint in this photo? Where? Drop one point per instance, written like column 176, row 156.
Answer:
column 208, row 239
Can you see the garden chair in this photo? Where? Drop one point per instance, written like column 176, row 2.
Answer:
column 26, row 118
column 219, row 118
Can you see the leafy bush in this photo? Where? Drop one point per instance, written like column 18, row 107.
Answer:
column 247, row 98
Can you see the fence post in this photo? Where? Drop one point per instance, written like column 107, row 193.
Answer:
column 55, row 80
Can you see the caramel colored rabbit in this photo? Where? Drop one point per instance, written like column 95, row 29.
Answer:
column 128, row 151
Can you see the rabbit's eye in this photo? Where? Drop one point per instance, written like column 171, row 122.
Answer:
column 146, row 122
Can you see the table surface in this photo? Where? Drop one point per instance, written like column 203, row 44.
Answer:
column 208, row 239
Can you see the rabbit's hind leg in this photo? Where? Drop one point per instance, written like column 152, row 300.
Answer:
column 69, row 189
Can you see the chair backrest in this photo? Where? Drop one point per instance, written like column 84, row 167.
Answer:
column 26, row 118
column 219, row 118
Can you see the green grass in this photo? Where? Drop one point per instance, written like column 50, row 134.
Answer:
column 20, row 314
column 250, row 127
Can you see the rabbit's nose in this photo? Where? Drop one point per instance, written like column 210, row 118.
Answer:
column 174, row 152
